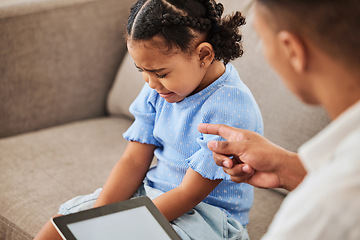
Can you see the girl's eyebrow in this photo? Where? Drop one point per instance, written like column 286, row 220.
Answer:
column 150, row 70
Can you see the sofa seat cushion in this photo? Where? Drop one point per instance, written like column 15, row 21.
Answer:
column 41, row 170
column 266, row 204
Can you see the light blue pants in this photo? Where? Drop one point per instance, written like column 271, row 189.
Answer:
column 202, row 222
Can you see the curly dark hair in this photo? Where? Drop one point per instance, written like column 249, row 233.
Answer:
column 178, row 22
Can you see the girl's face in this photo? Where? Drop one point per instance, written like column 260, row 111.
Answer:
column 173, row 75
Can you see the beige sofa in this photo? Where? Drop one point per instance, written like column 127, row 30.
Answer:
column 65, row 87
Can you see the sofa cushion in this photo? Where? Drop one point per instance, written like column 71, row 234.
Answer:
column 58, row 60
column 41, row 170
column 126, row 87
column 11, row 8
column 266, row 204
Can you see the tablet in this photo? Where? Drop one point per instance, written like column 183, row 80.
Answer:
column 137, row 218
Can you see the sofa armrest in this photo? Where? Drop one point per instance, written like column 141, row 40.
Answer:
column 58, row 60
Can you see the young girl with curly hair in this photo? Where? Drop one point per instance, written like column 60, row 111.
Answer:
column 183, row 49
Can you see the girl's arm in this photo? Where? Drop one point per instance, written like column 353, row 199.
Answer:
column 128, row 173
column 193, row 189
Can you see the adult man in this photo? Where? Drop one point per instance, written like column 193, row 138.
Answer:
column 313, row 45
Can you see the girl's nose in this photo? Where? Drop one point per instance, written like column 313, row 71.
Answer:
column 153, row 81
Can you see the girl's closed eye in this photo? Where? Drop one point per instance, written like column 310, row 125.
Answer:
column 139, row 69
column 157, row 75
column 161, row 76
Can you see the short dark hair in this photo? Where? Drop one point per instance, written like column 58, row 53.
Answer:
column 332, row 25
column 177, row 21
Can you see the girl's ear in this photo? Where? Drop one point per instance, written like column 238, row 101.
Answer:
column 295, row 51
column 206, row 54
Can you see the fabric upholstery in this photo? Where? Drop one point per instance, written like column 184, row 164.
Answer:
column 43, row 169
column 266, row 204
column 59, row 63
column 127, row 85
column 10, row 8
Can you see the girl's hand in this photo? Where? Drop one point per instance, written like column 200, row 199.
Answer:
column 249, row 157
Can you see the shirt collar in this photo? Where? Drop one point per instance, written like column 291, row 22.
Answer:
column 318, row 150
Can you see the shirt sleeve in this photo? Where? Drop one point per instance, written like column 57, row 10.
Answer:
column 231, row 106
column 143, row 109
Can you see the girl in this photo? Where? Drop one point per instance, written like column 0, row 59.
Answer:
column 182, row 48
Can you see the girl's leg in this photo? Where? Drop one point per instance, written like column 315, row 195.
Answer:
column 48, row 231
column 208, row 222
column 76, row 204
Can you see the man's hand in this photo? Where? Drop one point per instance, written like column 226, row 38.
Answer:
column 249, row 157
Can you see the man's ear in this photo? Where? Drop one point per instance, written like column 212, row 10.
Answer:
column 206, row 54
column 295, row 50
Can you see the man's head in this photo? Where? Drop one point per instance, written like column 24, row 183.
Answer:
column 332, row 25
column 293, row 31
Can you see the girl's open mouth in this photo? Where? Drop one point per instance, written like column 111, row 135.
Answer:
column 165, row 95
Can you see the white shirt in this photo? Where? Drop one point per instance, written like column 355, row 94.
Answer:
column 326, row 205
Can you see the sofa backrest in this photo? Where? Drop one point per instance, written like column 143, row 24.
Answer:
column 58, row 59
column 287, row 121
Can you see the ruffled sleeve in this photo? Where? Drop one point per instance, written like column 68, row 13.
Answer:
column 231, row 106
column 143, row 109
column 202, row 161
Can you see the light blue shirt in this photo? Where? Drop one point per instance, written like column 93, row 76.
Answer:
column 172, row 127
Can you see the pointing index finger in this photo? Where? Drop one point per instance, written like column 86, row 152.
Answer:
column 217, row 129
